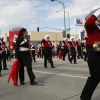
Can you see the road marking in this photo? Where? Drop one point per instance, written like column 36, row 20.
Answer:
column 61, row 74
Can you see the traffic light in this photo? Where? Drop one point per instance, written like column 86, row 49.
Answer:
column 38, row 29
column 64, row 34
column 82, row 35
column 68, row 35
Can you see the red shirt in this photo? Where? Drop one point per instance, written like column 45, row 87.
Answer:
column 72, row 44
column 65, row 44
column 78, row 44
column 47, row 44
column 93, row 32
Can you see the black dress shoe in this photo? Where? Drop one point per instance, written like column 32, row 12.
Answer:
column 0, row 75
column 75, row 63
column 5, row 69
column 70, row 61
column 52, row 67
column 22, row 83
column 33, row 83
column 45, row 67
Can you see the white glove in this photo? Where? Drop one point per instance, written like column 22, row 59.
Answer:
column 97, row 13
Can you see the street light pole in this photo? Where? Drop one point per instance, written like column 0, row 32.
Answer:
column 64, row 18
column 69, row 22
column 0, row 31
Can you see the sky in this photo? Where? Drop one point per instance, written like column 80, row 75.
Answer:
column 42, row 13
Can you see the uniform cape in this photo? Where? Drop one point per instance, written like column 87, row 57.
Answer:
column 14, row 72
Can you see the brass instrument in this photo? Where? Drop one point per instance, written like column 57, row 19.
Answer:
column 96, row 46
column 3, row 48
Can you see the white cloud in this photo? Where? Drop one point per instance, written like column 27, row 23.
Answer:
column 30, row 13
column 76, row 8
column 22, row 15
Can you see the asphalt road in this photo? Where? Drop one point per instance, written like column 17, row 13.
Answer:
column 65, row 82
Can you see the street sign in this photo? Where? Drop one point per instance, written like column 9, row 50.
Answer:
column 79, row 21
column 68, row 29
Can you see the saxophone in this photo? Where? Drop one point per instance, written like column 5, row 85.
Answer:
column 96, row 46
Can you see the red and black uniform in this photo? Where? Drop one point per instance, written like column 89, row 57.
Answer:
column 58, row 46
column 4, row 55
column 47, row 52
column 42, row 47
column 65, row 50
column 72, row 45
column 93, row 33
column 79, row 49
column 8, row 52
column 88, row 47
column 39, row 48
column 53, row 50
column 13, row 47
column 33, row 52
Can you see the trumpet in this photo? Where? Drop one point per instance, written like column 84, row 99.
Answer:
column 96, row 46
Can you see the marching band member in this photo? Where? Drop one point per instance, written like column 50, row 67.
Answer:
column 79, row 49
column 72, row 45
column 4, row 53
column 53, row 49
column 24, row 55
column 42, row 50
column 65, row 51
column 58, row 46
column 47, row 51
column 39, row 50
column 13, row 45
column 92, row 26
column 8, row 52
column 33, row 52
column 87, row 47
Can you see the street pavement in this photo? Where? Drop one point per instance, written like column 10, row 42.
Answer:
column 65, row 82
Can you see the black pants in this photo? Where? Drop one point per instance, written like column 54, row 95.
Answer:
column 65, row 51
column 39, row 53
column 33, row 54
column 42, row 54
column 94, row 79
column 58, row 51
column 8, row 55
column 88, row 47
column 79, row 52
column 0, row 63
column 69, row 54
column 4, row 59
column 30, row 73
column 48, row 56
column 73, row 54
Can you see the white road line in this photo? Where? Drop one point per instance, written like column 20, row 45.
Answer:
column 61, row 74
